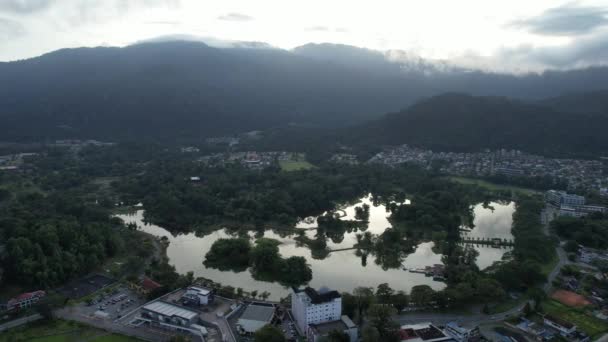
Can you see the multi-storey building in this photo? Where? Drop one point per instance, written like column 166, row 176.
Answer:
column 309, row 306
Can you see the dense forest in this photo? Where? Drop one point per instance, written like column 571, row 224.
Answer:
column 590, row 231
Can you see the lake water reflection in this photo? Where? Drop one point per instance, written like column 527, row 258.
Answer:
column 342, row 271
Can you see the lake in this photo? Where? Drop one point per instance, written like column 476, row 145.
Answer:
column 342, row 270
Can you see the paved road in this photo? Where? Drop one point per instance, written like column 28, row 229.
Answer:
column 19, row 321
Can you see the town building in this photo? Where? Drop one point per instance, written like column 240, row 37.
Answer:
column 565, row 328
column 197, row 296
column 562, row 198
column 317, row 331
column 163, row 312
column 462, row 334
column 255, row 317
column 24, row 300
column 423, row 332
column 311, row 307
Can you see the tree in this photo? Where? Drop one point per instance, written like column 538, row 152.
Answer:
column 349, row 305
column 370, row 334
column 265, row 254
column 364, row 296
column 384, row 293
column 421, row 295
column 254, row 294
column 337, row 336
column 269, row 333
column 380, row 317
column 400, row 301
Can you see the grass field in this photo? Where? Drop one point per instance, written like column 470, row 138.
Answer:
column 61, row 331
column 295, row 165
column 590, row 325
column 492, row 186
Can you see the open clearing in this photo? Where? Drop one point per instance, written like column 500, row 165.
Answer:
column 61, row 331
column 492, row 186
column 569, row 298
column 288, row 165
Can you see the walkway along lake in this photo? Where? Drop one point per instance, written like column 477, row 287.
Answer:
column 342, row 270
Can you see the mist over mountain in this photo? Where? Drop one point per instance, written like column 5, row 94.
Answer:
column 165, row 89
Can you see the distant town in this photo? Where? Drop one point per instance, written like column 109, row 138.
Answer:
column 577, row 173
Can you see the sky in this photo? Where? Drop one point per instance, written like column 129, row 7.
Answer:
column 514, row 35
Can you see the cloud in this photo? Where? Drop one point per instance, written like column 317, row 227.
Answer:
column 567, row 20
column 318, row 28
column 591, row 50
column 10, row 29
column 24, row 6
column 235, row 17
column 321, row 28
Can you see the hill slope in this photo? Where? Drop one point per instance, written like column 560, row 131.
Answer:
column 182, row 89
column 458, row 122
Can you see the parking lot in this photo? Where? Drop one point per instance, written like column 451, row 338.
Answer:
column 113, row 305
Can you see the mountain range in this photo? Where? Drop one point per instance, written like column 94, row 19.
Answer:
column 167, row 89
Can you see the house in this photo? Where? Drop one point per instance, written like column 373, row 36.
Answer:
column 145, row 287
column 317, row 331
column 24, row 300
column 255, row 317
column 309, row 306
column 197, row 296
column 423, row 332
column 565, row 328
column 462, row 334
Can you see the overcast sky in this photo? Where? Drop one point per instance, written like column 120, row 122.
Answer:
column 510, row 35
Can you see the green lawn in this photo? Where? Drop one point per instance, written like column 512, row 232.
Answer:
column 592, row 326
column 289, row 165
column 61, row 331
column 492, row 186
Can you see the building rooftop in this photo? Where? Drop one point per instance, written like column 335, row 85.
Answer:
column 257, row 312
column 201, row 291
column 342, row 324
column 422, row 332
column 559, row 321
column 318, row 298
column 149, row 284
column 167, row 309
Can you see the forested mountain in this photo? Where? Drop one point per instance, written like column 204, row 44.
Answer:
column 587, row 103
column 188, row 89
column 459, row 122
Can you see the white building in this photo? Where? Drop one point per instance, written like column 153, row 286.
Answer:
column 309, row 306
column 460, row 333
column 163, row 312
column 559, row 198
column 317, row 331
column 255, row 317
column 198, row 295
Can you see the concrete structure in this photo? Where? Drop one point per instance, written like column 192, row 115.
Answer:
column 559, row 198
column 163, row 312
column 255, row 317
column 423, row 332
column 198, row 295
column 564, row 328
column 24, row 300
column 317, row 331
column 462, row 334
column 309, row 306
